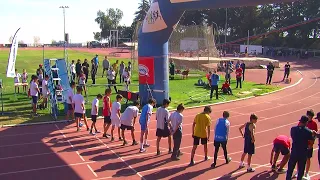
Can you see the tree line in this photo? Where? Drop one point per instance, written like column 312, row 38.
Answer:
column 236, row 22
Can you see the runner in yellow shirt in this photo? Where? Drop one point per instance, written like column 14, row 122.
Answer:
column 201, row 131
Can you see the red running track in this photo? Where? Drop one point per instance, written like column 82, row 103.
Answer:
column 56, row 151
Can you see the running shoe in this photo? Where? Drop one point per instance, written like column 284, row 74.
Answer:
column 213, row 165
column 170, row 151
column 191, row 163
column 97, row 132
column 250, row 170
column 228, row 160
column 281, row 171
column 124, row 143
column 158, row 153
column 142, row 150
column 112, row 139
column 120, row 139
column 134, row 143
column 242, row 165
column 146, row 145
column 274, row 167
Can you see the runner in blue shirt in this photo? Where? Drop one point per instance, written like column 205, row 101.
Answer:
column 221, row 137
column 144, row 121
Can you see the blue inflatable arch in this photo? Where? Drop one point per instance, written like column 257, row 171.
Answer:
column 155, row 32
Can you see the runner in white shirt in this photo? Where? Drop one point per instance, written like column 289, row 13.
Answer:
column 128, row 120
column 16, row 81
column 82, row 82
column 79, row 108
column 111, row 75
column 45, row 92
column 34, row 92
column 115, row 116
column 69, row 101
column 162, row 117
column 175, row 120
column 95, row 113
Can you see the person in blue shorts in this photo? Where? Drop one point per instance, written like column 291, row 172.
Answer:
column 144, row 121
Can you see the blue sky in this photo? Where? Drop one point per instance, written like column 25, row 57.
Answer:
column 43, row 18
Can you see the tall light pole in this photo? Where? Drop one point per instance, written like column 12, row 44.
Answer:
column 64, row 31
column 226, row 27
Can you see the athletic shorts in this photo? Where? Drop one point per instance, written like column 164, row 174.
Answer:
column 107, row 120
column 115, row 121
column 94, row 118
column 143, row 127
column 281, row 148
column 34, row 99
column 196, row 140
column 249, row 147
column 78, row 115
column 124, row 127
column 310, row 153
column 162, row 133
column 70, row 107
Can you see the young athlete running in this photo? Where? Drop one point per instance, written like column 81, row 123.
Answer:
column 249, row 140
column 144, row 121
column 95, row 113
column 176, row 119
column 221, row 138
column 201, row 130
column 106, row 112
column 115, row 116
column 162, row 117
column 128, row 120
column 280, row 144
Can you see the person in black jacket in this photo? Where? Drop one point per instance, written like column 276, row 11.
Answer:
column 78, row 69
column 93, row 71
column 270, row 69
column 243, row 67
column 85, row 69
column 286, row 71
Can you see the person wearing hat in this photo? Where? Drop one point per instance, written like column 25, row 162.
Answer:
column 300, row 135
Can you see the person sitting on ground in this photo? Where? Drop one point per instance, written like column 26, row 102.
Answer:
column 226, row 88
column 280, row 144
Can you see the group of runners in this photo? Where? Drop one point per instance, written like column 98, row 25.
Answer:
column 296, row 150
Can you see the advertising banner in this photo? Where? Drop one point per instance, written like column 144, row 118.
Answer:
column 146, row 70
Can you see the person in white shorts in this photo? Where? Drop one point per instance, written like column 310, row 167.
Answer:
column 162, row 117
column 34, row 92
column 82, row 82
column 126, row 78
column 79, row 108
column 45, row 92
column 16, row 81
column 115, row 116
column 94, row 113
column 128, row 120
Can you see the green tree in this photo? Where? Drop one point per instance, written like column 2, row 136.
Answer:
column 107, row 21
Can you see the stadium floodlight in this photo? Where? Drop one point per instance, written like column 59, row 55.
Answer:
column 64, row 30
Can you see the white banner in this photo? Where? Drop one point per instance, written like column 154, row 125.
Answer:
column 12, row 56
column 153, row 21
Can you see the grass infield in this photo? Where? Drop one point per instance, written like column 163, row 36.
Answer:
column 18, row 107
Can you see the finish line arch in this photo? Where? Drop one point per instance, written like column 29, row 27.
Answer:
column 154, row 35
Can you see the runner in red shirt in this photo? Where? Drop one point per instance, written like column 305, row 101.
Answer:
column 280, row 144
column 312, row 125
column 239, row 77
column 106, row 111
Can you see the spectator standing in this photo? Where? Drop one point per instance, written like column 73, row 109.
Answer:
column 286, row 71
column 16, row 81
column 85, row 69
column 73, row 71
column 270, row 69
column 215, row 78
column 96, row 61
column 78, row 69
column 243, row 67
column 112, row 79
column 300, row 135
column 129, row 66
column 115, row 67
column 239, row 77
column 93, row 72
column 221, row 138
column 172, row 69
column 121, row 69
column 106, row 65
column 34, row 92
column 40, row 69
column 24, row 78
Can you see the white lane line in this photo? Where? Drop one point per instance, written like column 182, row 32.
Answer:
column 94, row 173
column 119, row 157
column 80, row 156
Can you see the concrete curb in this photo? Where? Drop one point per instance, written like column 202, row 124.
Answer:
column 193, row 107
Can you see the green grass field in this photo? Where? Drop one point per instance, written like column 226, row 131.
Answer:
column 181, row 91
